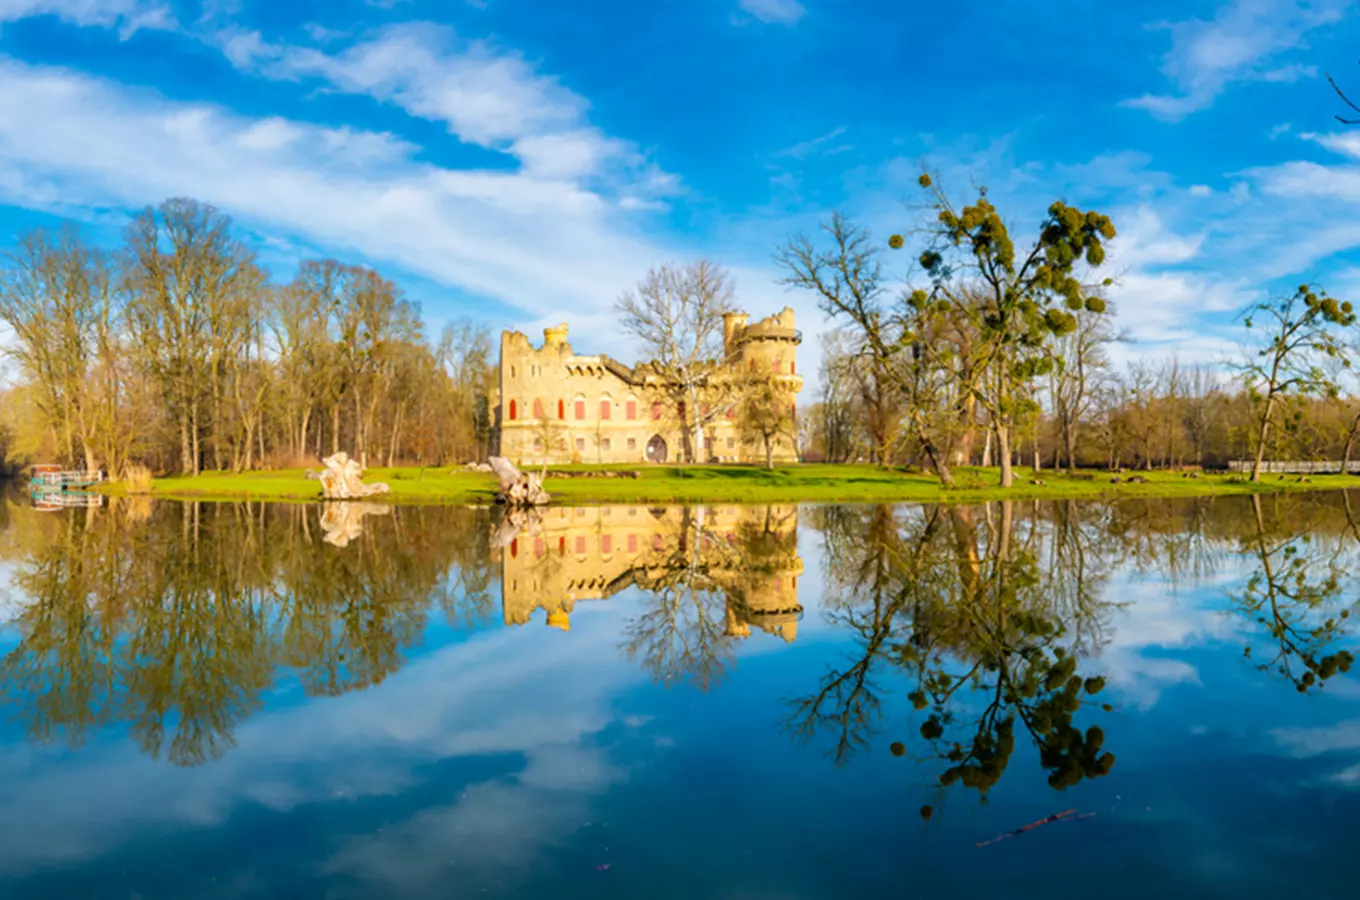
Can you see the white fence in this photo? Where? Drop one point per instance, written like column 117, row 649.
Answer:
column 1276, row 467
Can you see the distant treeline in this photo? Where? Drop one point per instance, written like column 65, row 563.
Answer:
column 1151, row 414
column 176, row 350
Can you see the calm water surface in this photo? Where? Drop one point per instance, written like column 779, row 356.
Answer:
column 240, row 701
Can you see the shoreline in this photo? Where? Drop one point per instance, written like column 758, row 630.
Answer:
column 807, row 483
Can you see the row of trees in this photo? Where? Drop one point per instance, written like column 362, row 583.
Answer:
column 177, row 350
column 1152, row 413
column 991, row 352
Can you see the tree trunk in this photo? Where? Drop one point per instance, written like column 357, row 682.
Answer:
column 1003, row 452
column 1350, row 443
column 769, row 452
column 1261, row 436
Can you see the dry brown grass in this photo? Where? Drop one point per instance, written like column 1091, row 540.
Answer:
column 136, row 479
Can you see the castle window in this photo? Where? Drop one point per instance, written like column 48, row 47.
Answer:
column 514, row 410
column 793, row 410
column 538, row 443
column 581, row 545
column 580, row 444
column 514, row 548
column 512, row 371
column 774, row 366
column 538, row 408
column 632, row 410
column 632, row 443
column 604, row 444
column 793, row 367
column 707, row 408
column 538, row 546
column 606, row 544
column 730, row 443
column 561, row 409
column 753, row 365
column 580, row 410
column 731, row 412
column 605, row 407
column 656, row 410
column 562, row 546
column 632, row 543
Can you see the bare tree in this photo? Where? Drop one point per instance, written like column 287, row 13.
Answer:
column 677, row 314
column 847, row 279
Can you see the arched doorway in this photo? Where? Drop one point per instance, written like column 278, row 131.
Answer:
column 656, row 449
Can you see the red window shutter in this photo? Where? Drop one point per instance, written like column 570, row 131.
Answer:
column 580, row 545
column 514, row 548
column 513, row 410
column 604, row 409
column 632, row 409
column 606, row 544
column 538, row 408
column 561, row 409
column 580, row 409
column 656, row 410
column 632, row 543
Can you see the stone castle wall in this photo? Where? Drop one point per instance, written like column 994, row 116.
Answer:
column 557, row 406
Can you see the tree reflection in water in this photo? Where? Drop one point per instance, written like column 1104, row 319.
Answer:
column 990, row 619
column 174, row 620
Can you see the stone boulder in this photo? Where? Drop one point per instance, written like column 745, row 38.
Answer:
column 342, row 479
column 518, row 489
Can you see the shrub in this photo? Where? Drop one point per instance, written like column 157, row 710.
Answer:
column 136, row 479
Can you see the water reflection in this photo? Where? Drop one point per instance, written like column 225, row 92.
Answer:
column 707, row 575
column 175, row 621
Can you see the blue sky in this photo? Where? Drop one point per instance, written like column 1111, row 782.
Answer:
column 522, row 162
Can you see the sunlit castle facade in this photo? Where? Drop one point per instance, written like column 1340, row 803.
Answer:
column 557, row 404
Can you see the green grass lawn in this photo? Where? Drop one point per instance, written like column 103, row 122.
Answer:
column 701, row 484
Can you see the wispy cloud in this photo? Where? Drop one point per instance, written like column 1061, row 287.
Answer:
column 776, row 12
column 533, row 241
column 820, row 144
column 1241, row 43
column 127, row 16
column 483, row 94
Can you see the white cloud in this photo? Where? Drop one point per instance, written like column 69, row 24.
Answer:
column 535, row 239
column 1238, row 44
column 127, row 16
column 1201, row 190
column 777, row 12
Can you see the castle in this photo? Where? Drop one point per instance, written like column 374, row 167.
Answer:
column 556, row 406
column 745, row 557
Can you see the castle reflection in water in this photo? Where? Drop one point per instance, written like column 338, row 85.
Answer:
column 749, row 554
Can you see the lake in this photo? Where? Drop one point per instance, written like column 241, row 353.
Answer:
column 352, row 701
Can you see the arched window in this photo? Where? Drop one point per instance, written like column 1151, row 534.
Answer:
column 514, row 548
column 793, row 367
column 514, row 410
column 561, row 409
column 605, row 408
column 538, row 408
column 774, row 366
column 631, row 410
column 580, row 410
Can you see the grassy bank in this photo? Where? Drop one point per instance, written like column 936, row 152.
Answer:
column 713, row 484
